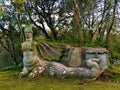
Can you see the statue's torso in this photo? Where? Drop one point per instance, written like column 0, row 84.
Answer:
column 29, row 54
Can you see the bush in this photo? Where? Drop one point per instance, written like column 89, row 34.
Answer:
column 12, row 67
column 96, row 43
column 5, row 59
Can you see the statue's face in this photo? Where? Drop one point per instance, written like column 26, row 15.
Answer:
column 28, row 35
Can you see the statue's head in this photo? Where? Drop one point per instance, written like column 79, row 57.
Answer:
column 28, row 31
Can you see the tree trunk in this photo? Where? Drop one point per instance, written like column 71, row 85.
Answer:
column 54, row 32
column 100, row 24
column 112, row 23
column 78, row 20
column 13, row 50
column 14, row 54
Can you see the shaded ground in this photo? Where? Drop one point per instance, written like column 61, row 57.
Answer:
column 9, row 80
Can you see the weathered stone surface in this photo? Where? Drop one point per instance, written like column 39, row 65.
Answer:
column 71, row 57
column 96, row 50
column 75, row 58
column 47, row 51
column 101, row 53
column 61, row 71
column 84, row 63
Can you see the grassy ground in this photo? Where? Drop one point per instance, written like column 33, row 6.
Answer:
column 9, row 80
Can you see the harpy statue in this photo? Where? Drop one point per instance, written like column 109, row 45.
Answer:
column 82, row 62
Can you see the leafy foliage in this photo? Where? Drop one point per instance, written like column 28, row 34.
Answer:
column 12, row 67
column 97, row 20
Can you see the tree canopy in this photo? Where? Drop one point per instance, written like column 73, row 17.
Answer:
column 83, row 21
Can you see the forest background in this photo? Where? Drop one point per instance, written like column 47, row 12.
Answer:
column 94, row 23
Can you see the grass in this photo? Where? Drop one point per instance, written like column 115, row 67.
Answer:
column 9, row 80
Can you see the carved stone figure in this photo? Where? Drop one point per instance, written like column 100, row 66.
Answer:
column 81, row 62
column 31, row 61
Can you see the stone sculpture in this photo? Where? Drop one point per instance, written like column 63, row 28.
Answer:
column 81, row 62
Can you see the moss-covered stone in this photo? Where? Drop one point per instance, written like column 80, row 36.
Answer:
column 75, row 60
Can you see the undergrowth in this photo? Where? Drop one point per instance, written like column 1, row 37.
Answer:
column 12, row 67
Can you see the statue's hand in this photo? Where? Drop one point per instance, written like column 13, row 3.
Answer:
column 23, row 73
column 36, row 71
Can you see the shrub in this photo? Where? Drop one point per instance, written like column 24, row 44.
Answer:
column 5, row 59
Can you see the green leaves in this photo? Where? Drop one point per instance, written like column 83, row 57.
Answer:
column 2, row 13
column 20, row 2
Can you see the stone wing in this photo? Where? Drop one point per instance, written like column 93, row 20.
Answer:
column 48, row 51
